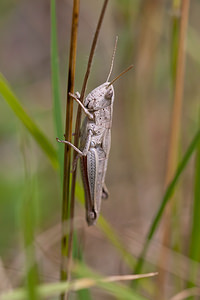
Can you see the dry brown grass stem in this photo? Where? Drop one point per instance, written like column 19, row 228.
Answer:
column 68, row 136
column 89, row 282
column 77, row 130
column 186, row 294
column 178, row 95
column 175, row 130
column 94, row 42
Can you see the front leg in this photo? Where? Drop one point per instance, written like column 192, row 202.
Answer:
column 86, row 111
column 70, row 144
column 80, row 153
column 87, row 144
column 85, row 150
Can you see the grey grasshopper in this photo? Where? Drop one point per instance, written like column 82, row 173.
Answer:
column 95, row 142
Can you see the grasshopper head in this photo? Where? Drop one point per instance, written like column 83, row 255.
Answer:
column 100, row 97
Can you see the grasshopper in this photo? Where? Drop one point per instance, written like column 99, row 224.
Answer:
column 95, row 142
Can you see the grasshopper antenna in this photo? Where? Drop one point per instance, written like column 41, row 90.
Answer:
column 113, row 57
column 122, row 73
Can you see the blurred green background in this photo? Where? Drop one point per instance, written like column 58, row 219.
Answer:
column 140, row 133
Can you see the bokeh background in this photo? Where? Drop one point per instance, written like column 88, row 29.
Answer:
column 140, row 134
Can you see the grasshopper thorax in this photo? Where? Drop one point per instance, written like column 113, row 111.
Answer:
column 100, row 97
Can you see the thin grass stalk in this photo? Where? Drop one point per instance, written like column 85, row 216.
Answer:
column 178, row 61
column 77, row 131
column 185, row 294
column 56, row 86
column 178, row 94
column 172, row 152
column 68, row 136
column 175, row 31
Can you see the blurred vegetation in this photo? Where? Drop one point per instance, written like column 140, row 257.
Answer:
column 30, row 181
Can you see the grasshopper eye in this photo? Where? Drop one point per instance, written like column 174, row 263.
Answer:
column 109, row 94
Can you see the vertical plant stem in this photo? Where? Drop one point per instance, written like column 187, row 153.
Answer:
column 77, row 131
column 178, row 94
column 56, row 86
column 68, row 206
column 178, row 71
column 94, row 42
column 68, row 136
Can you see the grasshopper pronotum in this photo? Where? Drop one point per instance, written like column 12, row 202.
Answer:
column 95, row 141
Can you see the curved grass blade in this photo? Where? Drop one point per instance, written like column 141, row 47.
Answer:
column 193, row 145
column 19, row 111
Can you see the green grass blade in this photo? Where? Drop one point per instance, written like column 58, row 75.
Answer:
column 56, row 86
column 28, row 217
column 166, row 198
column 194, row 251
column 29, row 220
column 19, row 111
column 77, row 256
